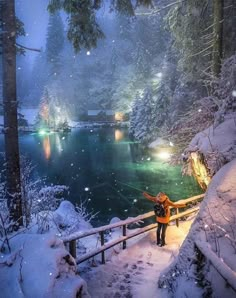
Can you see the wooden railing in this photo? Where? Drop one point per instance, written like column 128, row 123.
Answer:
column 71, row 239
column 222, row 268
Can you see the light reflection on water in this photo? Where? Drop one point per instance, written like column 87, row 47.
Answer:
column 105, row 167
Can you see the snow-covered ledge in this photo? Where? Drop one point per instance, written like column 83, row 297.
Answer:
column 210, row 149
column 215, row 227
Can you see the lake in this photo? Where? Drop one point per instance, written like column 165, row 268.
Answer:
column 105, row 168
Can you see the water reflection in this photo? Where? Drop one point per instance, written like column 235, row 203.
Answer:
column 119, row 135
column 47, row 147
column 105, row 167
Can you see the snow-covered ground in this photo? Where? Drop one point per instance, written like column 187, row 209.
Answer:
column 134, row 272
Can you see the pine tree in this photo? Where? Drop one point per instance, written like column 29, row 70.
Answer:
column 55, row 41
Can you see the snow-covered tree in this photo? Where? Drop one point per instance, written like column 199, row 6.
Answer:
column 144, row 117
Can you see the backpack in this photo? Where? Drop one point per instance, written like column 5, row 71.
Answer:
column 159, row 210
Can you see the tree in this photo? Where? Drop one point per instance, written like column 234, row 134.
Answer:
column 13, row 181
column 55, row 41
column 217, row 51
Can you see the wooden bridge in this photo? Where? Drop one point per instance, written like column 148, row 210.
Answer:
column 73, row 238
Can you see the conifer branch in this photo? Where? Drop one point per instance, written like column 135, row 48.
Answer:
column 27, row 48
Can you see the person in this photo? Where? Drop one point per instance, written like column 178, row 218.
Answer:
column 162, row 198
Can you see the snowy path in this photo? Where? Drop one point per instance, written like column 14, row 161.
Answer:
column 134, row 272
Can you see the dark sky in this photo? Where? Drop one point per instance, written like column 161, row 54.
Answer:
column 34, row 15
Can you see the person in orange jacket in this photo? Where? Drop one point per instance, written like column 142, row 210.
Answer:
column 162, row 198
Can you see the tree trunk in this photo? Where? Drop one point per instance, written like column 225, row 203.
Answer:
column 217, row 54
column 13, row 184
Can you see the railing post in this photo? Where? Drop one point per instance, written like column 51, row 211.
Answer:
column 102, row 243
column 177, row 219
column 124, row 234
column 72, row 248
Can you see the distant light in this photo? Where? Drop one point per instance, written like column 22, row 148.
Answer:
column 171, row 144
column 86, row 188
column 42, row 132
column 88, row 53
column 164, row 155
column 199, row 110
column 159, row 74
column 234, row 93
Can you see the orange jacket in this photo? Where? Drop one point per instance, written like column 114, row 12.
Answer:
column 167, row 203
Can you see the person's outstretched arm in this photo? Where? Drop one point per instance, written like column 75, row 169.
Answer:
column 149, row 197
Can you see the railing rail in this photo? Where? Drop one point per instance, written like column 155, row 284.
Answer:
column 72, row 238
column 223, row 269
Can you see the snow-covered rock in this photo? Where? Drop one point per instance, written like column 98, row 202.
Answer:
column 217, row 144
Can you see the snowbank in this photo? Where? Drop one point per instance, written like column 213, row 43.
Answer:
column 217, row 144
column 39, row 266
column 158, row 142
column 215, row 227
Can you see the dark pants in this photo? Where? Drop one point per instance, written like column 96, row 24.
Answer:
column 161, row 233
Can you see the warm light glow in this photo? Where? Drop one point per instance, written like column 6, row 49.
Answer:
column 119, row 135
column 119, row 116
column 200, row 170
column 47, row 147
column 164, row 155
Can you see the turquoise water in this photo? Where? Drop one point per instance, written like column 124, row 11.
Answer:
column 104, row 167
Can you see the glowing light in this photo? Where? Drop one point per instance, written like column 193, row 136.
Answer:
column 234, row 93
column 171, row 144
column 119, row 116
column 47, row 147
column 88, row 53
column 119, row 135
column 159, row 75
column 164, row 155
column 199, row 110
column 86, row 188
column 42, row 132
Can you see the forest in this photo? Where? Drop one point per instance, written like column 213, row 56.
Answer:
column 165, row 69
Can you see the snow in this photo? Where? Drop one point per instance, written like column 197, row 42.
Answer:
column 157, row 142
column 214, row 228
column 134, row 272
column 39, row 266
column 218, row 141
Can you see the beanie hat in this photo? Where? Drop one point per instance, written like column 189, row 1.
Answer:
column 161, row 197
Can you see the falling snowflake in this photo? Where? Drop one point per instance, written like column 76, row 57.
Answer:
column 86, row 188
column 88, row 53
column 149, row 158
column 234, row 93
column 135, row 200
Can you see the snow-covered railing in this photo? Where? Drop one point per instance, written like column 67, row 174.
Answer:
column 222, row 268
column 72, row 238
